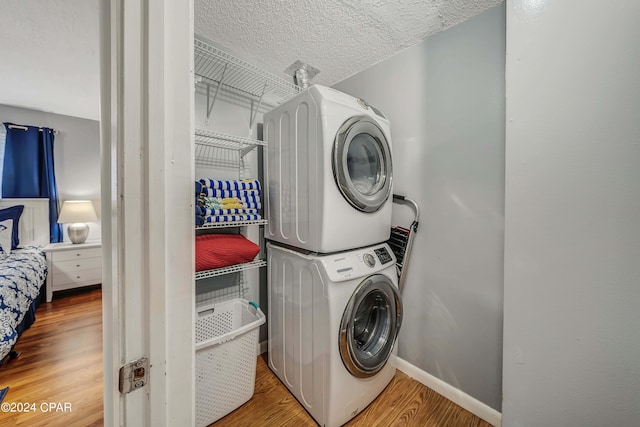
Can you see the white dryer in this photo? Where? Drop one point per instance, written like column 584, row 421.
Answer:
column 333, row 322
column 329, row 172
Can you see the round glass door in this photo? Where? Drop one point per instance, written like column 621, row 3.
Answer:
column 362, row 164
column 370, row 325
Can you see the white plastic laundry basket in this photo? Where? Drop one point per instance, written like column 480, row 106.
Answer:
column 226, row 353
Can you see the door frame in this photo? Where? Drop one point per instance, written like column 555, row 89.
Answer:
column 146, row 121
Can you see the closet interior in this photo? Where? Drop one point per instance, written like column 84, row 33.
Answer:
column 231, row 96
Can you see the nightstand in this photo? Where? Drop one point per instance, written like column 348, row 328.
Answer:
column 73, row 265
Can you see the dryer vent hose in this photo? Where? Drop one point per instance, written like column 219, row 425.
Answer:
column 302, row 78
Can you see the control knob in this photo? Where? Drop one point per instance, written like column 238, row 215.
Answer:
column 369, row 260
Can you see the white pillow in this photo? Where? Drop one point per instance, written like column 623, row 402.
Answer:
column 6, row 227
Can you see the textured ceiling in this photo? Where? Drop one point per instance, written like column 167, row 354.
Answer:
column 49, row 49
column 338, row 37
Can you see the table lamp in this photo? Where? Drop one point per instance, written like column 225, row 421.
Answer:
column 77, row 213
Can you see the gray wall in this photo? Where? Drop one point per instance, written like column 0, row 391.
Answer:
column 572, row 234
column 445, row 100
column 76, row 151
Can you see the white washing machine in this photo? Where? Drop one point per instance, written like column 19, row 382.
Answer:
column 333, row 322
column 329, row 172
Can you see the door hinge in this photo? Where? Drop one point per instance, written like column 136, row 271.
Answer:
column 134, row 375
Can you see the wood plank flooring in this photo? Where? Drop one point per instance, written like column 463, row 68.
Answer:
column 61, row 362
column 405, row 402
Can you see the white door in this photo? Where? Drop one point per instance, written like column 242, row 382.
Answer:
column 147, row 212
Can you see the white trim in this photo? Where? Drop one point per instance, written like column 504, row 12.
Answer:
column 110, row 290
column 455, row 395
column 168, row 98
column 147, row 125
column 263, row 347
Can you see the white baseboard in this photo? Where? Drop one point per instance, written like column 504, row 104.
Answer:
column 455, row 395
column 263, row 346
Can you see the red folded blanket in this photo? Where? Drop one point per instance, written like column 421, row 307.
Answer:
column 223, row 250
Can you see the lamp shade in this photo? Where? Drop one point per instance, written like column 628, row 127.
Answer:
column 77, row 211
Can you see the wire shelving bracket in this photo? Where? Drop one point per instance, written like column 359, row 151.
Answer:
column 213, row 66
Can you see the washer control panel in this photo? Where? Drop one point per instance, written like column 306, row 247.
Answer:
column 383, row 255
column 357, row 263
column 369, row 259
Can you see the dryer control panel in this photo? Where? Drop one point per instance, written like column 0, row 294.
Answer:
column 357, row 263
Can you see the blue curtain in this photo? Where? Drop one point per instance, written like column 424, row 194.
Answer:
column 29, row 172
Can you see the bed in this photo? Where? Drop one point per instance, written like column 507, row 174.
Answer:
column 23, row 272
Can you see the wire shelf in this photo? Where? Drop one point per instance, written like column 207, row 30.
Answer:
column 232, row 224
column 214, row 65
column 231, row 269
column 221, row 140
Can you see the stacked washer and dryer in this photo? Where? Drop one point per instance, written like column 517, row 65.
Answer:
column 334, row 307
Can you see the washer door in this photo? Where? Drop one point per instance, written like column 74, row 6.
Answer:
column 370, row 325
column 362, row 164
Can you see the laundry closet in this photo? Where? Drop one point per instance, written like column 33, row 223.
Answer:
column 330, row 222
column 322, row 163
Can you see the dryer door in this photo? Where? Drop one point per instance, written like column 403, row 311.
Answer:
column 362, row 164
column 370, row 325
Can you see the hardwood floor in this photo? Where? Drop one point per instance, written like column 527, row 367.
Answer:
column 61, row 362
column 405, row 402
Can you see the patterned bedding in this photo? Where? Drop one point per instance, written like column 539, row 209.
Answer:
column 22, row 274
